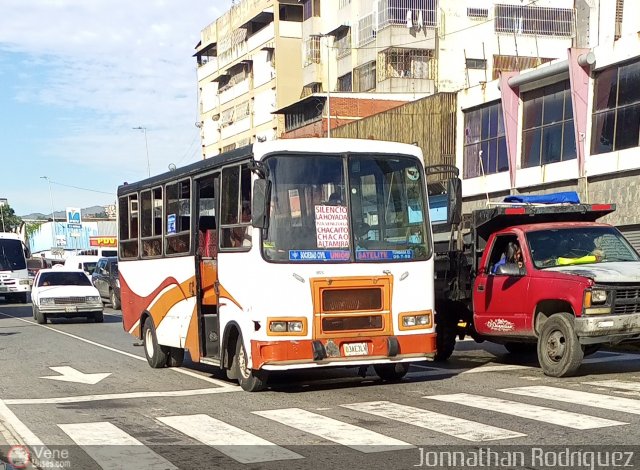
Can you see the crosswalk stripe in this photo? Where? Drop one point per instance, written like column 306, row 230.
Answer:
column 102, row 441
column 606, row 402
column 236, row 443
column 441, row 423
column 618, row 384
column 538, row 413
column 333, row 430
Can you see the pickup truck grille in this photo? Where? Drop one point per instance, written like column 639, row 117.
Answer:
column 626, row 298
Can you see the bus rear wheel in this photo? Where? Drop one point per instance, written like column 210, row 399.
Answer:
column 250, row 380
column 157, row 356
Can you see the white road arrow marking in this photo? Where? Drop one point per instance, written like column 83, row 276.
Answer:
column 69, row 374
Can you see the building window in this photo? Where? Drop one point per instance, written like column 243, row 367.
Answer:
column 478, row 13
column 536, row 21
column 343, row 3
column 421, row 13
column 616, row 109
column 548, row 133
column 342, row 44
column 311, row 51
column 366, row 31
column 310, row 111
column 310, row 8
column 480, row 64
column 364, row 77
column 345, row 82
column 405, row 63
column 485, row 146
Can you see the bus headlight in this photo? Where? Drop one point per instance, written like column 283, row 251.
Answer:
column 414, row 320
column 286, row 326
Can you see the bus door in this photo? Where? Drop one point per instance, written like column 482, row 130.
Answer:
column 207, row 268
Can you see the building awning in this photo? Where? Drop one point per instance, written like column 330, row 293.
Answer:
column 208, row 48
column 343, row 28
column 264, row 17
column 300, row 105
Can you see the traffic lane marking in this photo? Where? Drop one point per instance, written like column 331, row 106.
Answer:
column 179, row 370
column 119, row 396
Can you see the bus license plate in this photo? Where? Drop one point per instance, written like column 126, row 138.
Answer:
column 355, row 349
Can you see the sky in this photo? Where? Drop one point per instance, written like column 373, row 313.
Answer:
column 76, row 76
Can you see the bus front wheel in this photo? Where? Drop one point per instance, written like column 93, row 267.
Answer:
column 249, row 379
column 157, row 355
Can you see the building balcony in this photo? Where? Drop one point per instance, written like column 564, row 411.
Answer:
column 236, row 128
column 290, row 29
column 208, row 68
column 234, row 91
column 263, row 36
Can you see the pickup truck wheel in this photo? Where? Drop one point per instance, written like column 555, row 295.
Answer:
column 391, row 372
column 250, row 380
column 520, row 348
column 115, row 301
column 157, row 356
column 445, row 340
column 559, row 351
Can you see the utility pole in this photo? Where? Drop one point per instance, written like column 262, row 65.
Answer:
column 54, row 231
column 146, row 146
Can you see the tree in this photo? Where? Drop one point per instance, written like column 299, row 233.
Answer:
column 9, row 221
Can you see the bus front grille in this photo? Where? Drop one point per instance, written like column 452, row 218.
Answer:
column 359, row 323
column 352, row 300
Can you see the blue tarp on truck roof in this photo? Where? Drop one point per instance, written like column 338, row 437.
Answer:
column 567, row 197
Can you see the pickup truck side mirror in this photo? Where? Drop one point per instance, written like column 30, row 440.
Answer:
column 510, row 269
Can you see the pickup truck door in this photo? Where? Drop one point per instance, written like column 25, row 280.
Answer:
column 500, row 300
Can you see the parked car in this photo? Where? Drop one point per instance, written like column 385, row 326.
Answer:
column 106, row 279
column 65, row 293
column 85, row 262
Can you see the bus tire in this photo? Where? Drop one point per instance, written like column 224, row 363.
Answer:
column 559, row 350
column 115, row 302
column 157, row 356
column 250, row 380
column 176, row 357
column 391, row 372
column 98, row 317
column 41, row 318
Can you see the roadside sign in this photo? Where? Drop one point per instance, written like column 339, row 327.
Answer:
column 76, row 226
column 73, row 215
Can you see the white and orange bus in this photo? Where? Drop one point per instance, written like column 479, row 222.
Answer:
column 282, row 255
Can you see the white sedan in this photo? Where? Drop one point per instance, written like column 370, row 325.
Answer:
column 66, row 293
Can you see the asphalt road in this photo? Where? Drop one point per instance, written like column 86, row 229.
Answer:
column 136, row 417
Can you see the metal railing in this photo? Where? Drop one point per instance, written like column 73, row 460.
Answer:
column 418, row 13
column 535, row 21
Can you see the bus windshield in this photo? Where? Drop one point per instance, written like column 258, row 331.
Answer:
column 12, row 255
column 312, row 219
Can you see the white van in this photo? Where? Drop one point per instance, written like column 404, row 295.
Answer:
column 85, row 262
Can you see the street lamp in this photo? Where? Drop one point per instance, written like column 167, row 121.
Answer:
column 54, row 232
column 326, row 38
column 146, row 146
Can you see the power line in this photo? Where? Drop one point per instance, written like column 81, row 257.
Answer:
column 82, row 189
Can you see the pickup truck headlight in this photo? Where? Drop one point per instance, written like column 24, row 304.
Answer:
column 47, row 301
column 598, row 296
column 94, row 299
column 25, row 282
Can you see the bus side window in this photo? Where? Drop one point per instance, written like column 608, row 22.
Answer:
column 235, row 226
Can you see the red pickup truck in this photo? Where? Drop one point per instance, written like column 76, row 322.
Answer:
column 575, row 286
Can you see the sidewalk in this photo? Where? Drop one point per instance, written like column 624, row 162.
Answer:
column 8, row 438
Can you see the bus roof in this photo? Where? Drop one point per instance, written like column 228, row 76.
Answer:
column 260, row 150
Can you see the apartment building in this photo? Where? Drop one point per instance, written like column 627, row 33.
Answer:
column 248, row 66
column 421, row 47
column 572, row 124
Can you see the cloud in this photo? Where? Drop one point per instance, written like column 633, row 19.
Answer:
column 108, row 66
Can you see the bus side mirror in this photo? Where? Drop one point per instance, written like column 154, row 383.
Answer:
column 260, row 203
column 454, row 192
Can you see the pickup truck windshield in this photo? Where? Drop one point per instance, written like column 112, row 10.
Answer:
column 12, row 255
column 582, row 245
column 359, row 207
